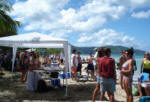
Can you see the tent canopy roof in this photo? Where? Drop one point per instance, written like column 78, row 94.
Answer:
column 32, row 40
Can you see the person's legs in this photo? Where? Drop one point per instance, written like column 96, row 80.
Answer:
column 130, row 92
column 125, row 88
column 102, row 96
column 128, row 89
column 23, row 75
column 74, row 73
column 148, row 93
column 80, row 69
column 111, row 89
column 95, row 92
column 121, row 80
column 103, row 87
column 92, row 75
column 111, row 96
column 139, row 89
column 147, row 90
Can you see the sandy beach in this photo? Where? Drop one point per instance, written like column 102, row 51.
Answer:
column 13, row 90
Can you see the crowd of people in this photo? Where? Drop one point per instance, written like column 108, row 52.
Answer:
column 26, row 61
column 103, row 67
column 100, row 67
column 106, row 74
column 77, row 61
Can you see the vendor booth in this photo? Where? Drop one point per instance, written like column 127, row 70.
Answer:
column 36, row 40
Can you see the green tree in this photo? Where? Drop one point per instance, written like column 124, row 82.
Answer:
column 8, row 26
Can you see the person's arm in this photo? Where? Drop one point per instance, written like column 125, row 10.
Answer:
column 115, row 75
column 114, row 69
column 98, row 67
column 80, row 60
column 129, row 71
column 142, row 65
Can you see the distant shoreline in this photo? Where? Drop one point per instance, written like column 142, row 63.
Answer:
column 114, row 49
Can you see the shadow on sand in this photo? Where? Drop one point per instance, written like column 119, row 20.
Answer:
column 12, row 90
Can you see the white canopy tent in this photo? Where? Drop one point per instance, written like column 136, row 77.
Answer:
column 36, row 40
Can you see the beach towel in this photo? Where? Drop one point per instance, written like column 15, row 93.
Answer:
column 143, row 77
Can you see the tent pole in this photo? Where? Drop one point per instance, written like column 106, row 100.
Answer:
column 69, row 57
column 13, row 59
column 66, row 65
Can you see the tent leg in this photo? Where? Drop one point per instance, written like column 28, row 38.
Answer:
column 66, row 65
column 13, row 59
column 66, row 94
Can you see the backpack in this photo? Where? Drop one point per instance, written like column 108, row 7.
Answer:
column 42, row 87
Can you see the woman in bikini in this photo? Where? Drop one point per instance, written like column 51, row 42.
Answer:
column 122, row 60
column 145, row 66
column 127, row 73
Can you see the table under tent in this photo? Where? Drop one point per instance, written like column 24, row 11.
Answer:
column 36, row 40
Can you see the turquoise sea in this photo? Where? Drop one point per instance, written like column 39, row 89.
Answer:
column 137, row 57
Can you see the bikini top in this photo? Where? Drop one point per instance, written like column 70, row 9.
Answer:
column 125, row 65
column 147, row 64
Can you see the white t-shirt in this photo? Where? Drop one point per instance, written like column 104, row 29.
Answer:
column 95, row 56
column 76, row 59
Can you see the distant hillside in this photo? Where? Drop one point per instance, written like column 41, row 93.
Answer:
column 114, row 49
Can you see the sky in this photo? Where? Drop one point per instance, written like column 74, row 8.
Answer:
column 87, row 22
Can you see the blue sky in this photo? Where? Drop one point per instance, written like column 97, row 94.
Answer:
column 87, row 22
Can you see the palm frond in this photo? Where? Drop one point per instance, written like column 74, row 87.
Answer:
column 4, row 5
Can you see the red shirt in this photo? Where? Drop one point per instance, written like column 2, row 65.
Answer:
column 106, row 67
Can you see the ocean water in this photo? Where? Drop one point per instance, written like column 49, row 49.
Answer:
column 137, row 57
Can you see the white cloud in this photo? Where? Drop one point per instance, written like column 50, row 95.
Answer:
column 107, row 37
column 142, row 14
column 51, row 16
column 134, row 4
column 91, row 16
column 36, row 14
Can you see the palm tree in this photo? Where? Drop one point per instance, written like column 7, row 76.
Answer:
column 8, row 26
